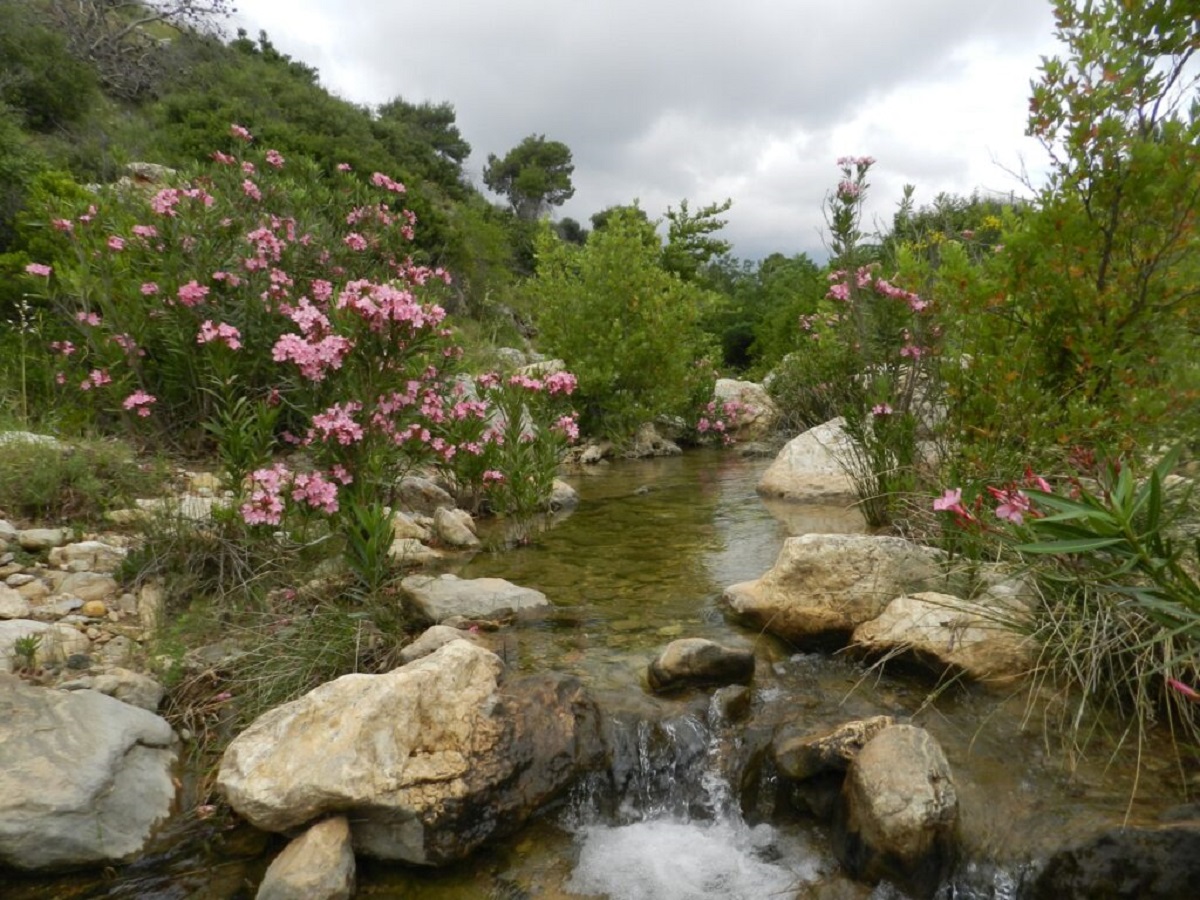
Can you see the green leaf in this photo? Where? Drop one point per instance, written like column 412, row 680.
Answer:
column 1077, row 545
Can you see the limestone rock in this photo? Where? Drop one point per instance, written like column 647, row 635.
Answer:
column 12, row 604
column 826, row 585
column 411, row 552
column 647, row 442
column 800, row 756
column 318, row 865
column 755, row 415
column 427, row 761
column 945, row 632
column 405, row 526
column 430, row 640
column 8, row 533
column 441, row 598
column 809, row 468
column 563, row 497
column 455, row 527
column 88, row 556
column 899, row 813
column 37, row 539
column 11, row 631
column 422, row 496
column 692, row 661
column 86, row 779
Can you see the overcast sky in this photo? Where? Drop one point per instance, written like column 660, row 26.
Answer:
column 662, row 100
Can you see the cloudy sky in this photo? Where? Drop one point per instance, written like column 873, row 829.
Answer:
column 661, row 100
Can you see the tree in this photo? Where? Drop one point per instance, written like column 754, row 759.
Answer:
column 690, row 244
column 426, row 137
column 122, row 39
column 533, row 175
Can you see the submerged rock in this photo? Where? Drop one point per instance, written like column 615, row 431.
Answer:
column 899, row 812
column 86, row 779
column 427, row 761
column 800, row 756
column 436, row 599
column 826, row 585
column 696, row 661
column 318, row 865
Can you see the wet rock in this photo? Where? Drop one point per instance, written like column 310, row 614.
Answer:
column 430, row 640
column 88, row 556
column 809, row 468
column 436, row 599
column 422, row 496
column 756, row 416
column 12, row 604
column 944, row 632
column 1150, row 863
column 427, row 761
column 36, row 540
column 86, row 779
column 455, row 527
column 405, row 526
column 647, row 442
column 563, row 497
column 800, row 756
column 823, row 586
column 732, row 703
column 898, row 814
column 318, row 865
column 696, row 661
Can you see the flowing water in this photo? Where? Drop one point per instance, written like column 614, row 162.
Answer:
column 687, row 809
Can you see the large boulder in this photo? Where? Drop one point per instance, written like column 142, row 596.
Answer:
column 86, row 779
column 318, row 865
column 696, row 661
column 946, row 633
column 899, row 814
column 436, row 599
column 801, row 755
column 754, row 414
column 810, row 468
column 426, row 761
column 824, row 586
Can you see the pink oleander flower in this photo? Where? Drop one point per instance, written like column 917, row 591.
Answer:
column 223, row 159
column 140, row 401
column 344, row 167
column 355, row 241
column 222, row 333
column 192, row 293
column 145, row 231
column 950, row 501
column 87, row 318
column 66, row 348
column 312, row 488
column 275, row 159
column 337, row 422
column 380, row 180
column 492, row 476
column 848, row 190
column 149, row 288
column 1186, row 690
column 65, row 225
column 839, row 292
column 250, row 189
column 38, row 269
column 561, row 383
column 1014, row 504
column 567, row 426
column 95, row 378
column 882, row 409
column 241, row 133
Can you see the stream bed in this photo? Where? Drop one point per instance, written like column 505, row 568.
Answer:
column 687, row 810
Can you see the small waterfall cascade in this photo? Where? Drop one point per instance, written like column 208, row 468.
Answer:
column 664, row 822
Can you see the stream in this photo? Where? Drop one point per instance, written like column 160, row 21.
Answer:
column 688, row 810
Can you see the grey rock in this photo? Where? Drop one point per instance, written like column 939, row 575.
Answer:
column 801, row 755
column 37, row 539
column 86, row 779
column 12, row 604
column 318, row 865
column 455, row 527
column 809, row 469
column 88, row 556
column 439, row 598
column 430, row 640
column 696, row 661
column 420, row 495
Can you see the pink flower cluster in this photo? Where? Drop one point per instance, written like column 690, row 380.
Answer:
column 221, row 332
column 1013, row 504
column 140, row 401
column 268, row 487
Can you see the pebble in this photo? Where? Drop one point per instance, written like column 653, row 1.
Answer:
column 94, row 609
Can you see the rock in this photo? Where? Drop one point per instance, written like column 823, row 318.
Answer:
column 193, row 507
column 647, row 442
column 420, row 495
column 150, row 606
column 563, row 497
column 732, row 703
column 120, row 651
column 426, row 761
column 318, row 865
column 809, row 468
column 594, row 452
column 130, row 687
column 430, row 640
column 411, row 552
column 404, row 526
column 37, row 590
column 13, row 630
column 36, row 540
column 543, row 368
column 695, row 661
column 801, row 756
column 8, row 533
column 899, row 812
column 511, row 358
column 88, row 556
column 28, row 437
column 1148, row 862
column 86, row 779
column 823, row 586
column 94, row 609
column 439, row 598
column 12, row 604
column 150, row 172
column 944, row 632
column 455, row 527
column 62, row 642
column 754, row 416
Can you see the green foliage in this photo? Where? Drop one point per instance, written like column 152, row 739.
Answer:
column 690, row 243
column 39, row 78
column 627, row 328
column 77, row 483
column 533, row 175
